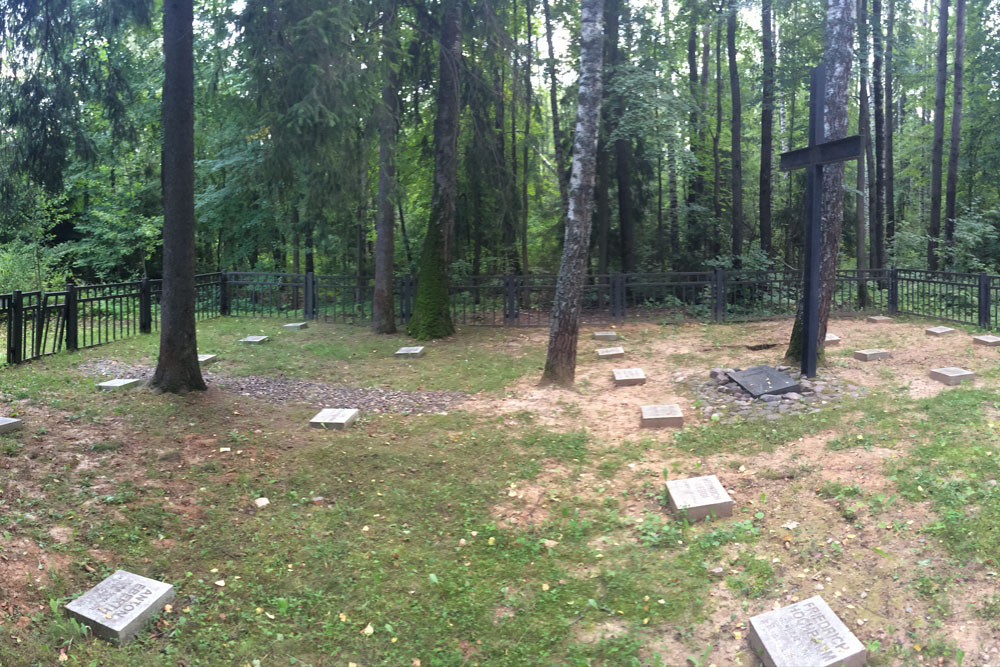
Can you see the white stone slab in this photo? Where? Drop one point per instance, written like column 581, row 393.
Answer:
column 605, row 335
column 206, row 359
column 610, row 352
column 832, row 339
column 805, row 634
column 255, row 340
column 939, row 331
column 871, row 355
column 9, row 424
column 698, row 497
column 295, row 326
column 417, row 351
column 951, row 375
column 339, row 418
column 879, row 319
column 659, row 416
column 118, row 607
column 120, row 384
column 987, row 340
column 626, row 377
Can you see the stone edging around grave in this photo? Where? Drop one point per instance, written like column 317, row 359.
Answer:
column 723, row 397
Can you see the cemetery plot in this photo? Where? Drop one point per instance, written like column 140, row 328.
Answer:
column 987, row 340
column 417, row 351
column 605, row 335
column 206, row 359
column 120, row 384
column 254, row 340
column 626, row 377
column 832, row 339
column 951, row 375
column 879, row 319
column 9, row 424
column 118, row 607
column 805, row 633
column 761, row 380
column 939, row 331
column 696, row 498
column 296, row 326
column 871, row 355
column 337, row 418
column 611, row 352
column 661, row 416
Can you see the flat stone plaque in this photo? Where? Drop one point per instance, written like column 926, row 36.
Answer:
column 660, row 416
column 254, row 340
column 9, row 424
column 951, row 375
column 295, row 326
column 610, row 352
column 698, row 497
column 118, row 607
column 761, row 380
column 832, row 339
column 206, row 359
column 879, row 319
column 339, row 418
column 120, row 384
column 626, row 377
column 871, row 355
column 939, row 331
column 410, row 352
column 605, row 335
column 805, row 633
column 987, row 340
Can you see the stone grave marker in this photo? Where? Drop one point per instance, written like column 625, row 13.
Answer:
column 9, row 424
column 295, row 326
column 761, row 380
column 871, row 355
column 255, row 340
column 698, row 497
column 805, row 633
column 206, row 359
column 987, row 340
column 660, row 416
column 626, row 377
column 118, row 607
column 951, row 375
column 610, row 352
column 939, row 331
column 879, row 319
column 338, row 418
column 120, row 384
column 605, row 335
column 410, row 351
column 832, row 339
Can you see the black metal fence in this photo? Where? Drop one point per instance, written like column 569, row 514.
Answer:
column 34, row 324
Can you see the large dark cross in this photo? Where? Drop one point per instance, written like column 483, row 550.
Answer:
column 812, row 158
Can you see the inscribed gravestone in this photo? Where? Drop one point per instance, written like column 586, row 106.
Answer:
column 339, row 418
column 987, row 340
column 658, row 416
column 879, row 319
column 206, row 359
column 871, row 355
column 410, row 352
column 626, row 377
column 805, row 633
column 939, row 331
column 832, row 339
column 698, row 497
column 120, row 384
column 9, row 424
column 951, row 375
column 610, row 352
column 761, row 380
column 254, row 340
column 120, row 605
column 605, row 335
column 295, row 326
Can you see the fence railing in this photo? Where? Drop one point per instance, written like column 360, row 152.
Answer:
column 37, row 323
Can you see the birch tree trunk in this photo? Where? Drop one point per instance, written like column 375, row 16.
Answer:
column 951, row 189
column 383, row 319
column 560, row 363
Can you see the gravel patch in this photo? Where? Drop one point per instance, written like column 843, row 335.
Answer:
column 284, row 390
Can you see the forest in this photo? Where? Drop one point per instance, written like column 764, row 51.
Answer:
column 315, row 121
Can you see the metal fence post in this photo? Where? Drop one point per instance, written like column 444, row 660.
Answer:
column 511, row 305
column 145, row 307
column 72, row 318
column 307, row 308
column 893, row 291
column 719, row 290
column 984, row 301
column 15, row 327
column 223, row 293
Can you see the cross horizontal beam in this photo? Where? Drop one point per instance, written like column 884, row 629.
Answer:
column 838, row 150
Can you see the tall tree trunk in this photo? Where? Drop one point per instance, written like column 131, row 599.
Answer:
column 878, row 194
column 524, row 143
column 602, row 204
column 951, row 189
column 736, row 125
column 866, row 176
column 622, row 145
column 562, row 172
column 310, row 255
column 432, row 312
column 937, row 147
column 716, row 157
column 864, row 129
column 675, row 221
column 890, row 170
column 406, row 237
column 766, row 130
column 383, row 305
column 560, row 362
column 177, row 369
column 696, row 183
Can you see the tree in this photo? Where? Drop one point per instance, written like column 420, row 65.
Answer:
column 951, row 188
column 766, row 129
column 937, row 147
column 432, row 310
column 878, row 98
column 890, row 167
column 560, row 362
column 736, row 125
column 178, row 370
column 562, row 173
column 864, row 129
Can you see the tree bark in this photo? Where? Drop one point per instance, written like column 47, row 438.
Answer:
column 716, row 157
column 623, row 147
column 736, row 125
column 432, row 309
column 951, row 189
column 878, row 97
column 890, row 170
column 524, row 143
column 864, row 129
column 766, row 129
column 560, row 363
column 383, row 305
column 177, row 369
column 562, row 172
column 937, row 146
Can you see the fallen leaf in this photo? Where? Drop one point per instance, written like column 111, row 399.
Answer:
column 369, row 630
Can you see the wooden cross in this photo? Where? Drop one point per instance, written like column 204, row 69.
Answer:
column 812, row 158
